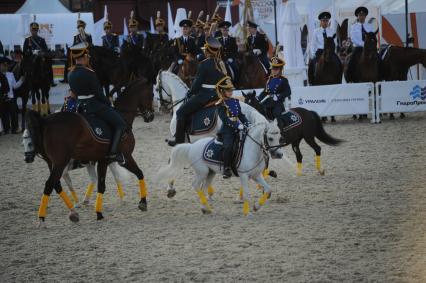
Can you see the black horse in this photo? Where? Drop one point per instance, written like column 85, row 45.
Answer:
column 309, row 129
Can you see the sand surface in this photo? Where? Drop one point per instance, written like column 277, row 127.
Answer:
column 365, row 220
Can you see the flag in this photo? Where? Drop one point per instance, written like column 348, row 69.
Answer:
column 125, row 30
column 228, row 16
column 151, row 23
column 170, row 22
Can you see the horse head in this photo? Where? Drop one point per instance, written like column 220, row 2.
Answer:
column 370, row 44
column 251, row 99
column 329, row 48
column 272, row 140
column 28, row 146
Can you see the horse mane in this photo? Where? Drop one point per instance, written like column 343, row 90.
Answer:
column 175, row 77
column 252, row 114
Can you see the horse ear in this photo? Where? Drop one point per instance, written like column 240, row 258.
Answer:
column 243, row 93
column 334, row 36
column 377, row 31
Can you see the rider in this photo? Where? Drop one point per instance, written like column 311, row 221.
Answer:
column 258, row 44
column 160, row 26
column 110, row 40
column 185, row 44
column 134, row 37
column 276, row 90
column 229, row 47
column 91, row 99
column 233, row 121
column 200, row 38
column 358, row 31
column 317, row 46
column 82, row 35
column 202, row 90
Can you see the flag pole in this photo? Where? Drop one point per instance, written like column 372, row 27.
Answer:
column 275, row 21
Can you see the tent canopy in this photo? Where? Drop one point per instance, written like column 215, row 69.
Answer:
column 42, row 7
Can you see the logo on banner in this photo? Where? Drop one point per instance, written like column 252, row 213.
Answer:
column 311, row 101
column 300, row 101
column 418, row 92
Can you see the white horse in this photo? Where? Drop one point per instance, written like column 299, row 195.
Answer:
column 173, row 91
column 91, row 170
column 262, row 136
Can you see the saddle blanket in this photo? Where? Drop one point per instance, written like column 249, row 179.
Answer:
column 291, row 120
column 213, row 153
column 203, row 121
column 100, row 129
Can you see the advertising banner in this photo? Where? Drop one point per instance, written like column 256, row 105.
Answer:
column 402, row 96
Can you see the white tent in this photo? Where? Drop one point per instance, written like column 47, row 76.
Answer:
column 42, row 7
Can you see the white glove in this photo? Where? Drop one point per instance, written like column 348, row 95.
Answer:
column 180, row 61
column 275, row 98
column 257, row 52
column 35, row 52
column 230, row 60
column 240, row 127
column 117, row 49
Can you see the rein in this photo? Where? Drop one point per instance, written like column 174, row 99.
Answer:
column 167, row 104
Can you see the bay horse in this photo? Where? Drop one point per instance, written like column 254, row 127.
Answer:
column 188, row 69
column 63, row 136
column 252, row 73
column 310, row 128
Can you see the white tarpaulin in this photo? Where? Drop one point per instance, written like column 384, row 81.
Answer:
column 42, row 7
column 54, row 28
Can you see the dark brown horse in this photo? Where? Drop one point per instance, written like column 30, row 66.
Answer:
column 252, row 73
column 328, row 69
column 398, row 60
column 309, row 129
column 188, row 69
column 63, row 136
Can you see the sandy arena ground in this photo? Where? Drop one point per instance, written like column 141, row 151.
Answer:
column 365, row 220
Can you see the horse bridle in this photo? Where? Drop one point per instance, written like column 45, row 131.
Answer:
column 166, row 103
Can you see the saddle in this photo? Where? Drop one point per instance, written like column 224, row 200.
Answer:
column 213, row 152
column 203, row 121
column 290, row 120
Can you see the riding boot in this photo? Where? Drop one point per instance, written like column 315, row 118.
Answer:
column 180, row 133
column 227, row 159
column 281, row 126
column 113, row 154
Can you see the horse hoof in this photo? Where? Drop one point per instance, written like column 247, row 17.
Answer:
column 255, row 209
column 402, row 116
column 322, row 172
column 86, row 202
column 143, row 206
column 269, row 195
column 273, row 174
column 77, row 205
column 40, row 223
column 206, row 211
column 238, row 200
column 74, row 216
column 99, row 216
column 171, row 193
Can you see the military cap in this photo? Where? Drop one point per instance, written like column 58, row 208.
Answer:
column 361, row 10
column 224, row 24
column 79, row 50
column 224, row 84
column 159, row 21
column 277, row 62
column 34, row 25
column 324, row 16
column 107, row 24
column 185, row 23
column 252, row 24
column 133, row 22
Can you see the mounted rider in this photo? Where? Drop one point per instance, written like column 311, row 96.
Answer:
column 276, row 90
column 318, row 39
column 82, row 35
column 200, row 38
column 160, row 26
column 134, row 38
column 91, row 99
column 358, row 31
column 229, row 48
column 184, row 45
column 210, row 71
column 233, row 121
column 257, row 43
column 110, row 40
column 217, row 20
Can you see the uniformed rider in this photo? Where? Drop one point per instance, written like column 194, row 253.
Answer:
column 186, row 43
column 82, row 35
column 276, row 90
column 91, row 100
column 110, row 40
column 358, row 31
column 258, row 44
column 202, row 90
column 233, row 121
column 160, row 26
column 134, row 37
column 229, row 48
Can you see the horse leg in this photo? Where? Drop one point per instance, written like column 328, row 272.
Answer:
column 244, row 179
column 200, row 178
column 34, row 101
column 102, row 169
column 46, row 94
column 208, row 185
column 266, row 192
column 115, row 173
column 91, row 170
column 299, row 157
column 67, row 179
column 311, row 141
column 143, row 191
column 24, row 111
column 37, row 94
column 73, row 215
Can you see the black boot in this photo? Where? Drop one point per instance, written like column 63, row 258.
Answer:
column 180, row 133
column 114, row 155
column 227, row 159
column 227, row 173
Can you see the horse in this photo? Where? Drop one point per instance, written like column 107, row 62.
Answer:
column 63, row 136
column 37, row 70
column 260, row 138
column 138, row 62
column 73, row 165
column 188, row 69
column 309, row 128
column 328, row 68
column 252, row 73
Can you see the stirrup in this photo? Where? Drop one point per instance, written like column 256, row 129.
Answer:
column 227, row 173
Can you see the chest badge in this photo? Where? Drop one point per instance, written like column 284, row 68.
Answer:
column 207, row 121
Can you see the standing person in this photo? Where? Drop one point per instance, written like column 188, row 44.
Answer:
column 110, row 40
column 82, row 35
column 233, row 121
column 358, row 31
column 202, row 91
column 10, row 115
column 91, row 99
column 229, row 48
column 134, row 38
column 258, row 44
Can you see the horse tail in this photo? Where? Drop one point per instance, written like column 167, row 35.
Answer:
column 178, row 159
column 322, row 135
column 35, row 125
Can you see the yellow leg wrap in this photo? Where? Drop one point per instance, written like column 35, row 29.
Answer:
column 42, row 211
column 143, row 192
column 241, row 193
column 299, row 169
column 66, row 199
column 98, row 205
column 202, row 196
column 120, row 190
column 263, row 199
column 210, row 190
column 89, row 190
column 266, row 173
column 318, row 162
column 74, row 196
column 246, row 207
